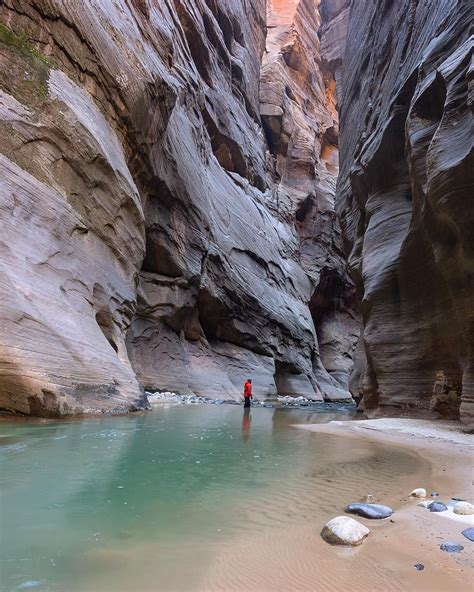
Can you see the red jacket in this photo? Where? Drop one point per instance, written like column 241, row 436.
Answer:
column 248, row 389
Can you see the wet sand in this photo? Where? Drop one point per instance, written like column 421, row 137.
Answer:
column 299, row 559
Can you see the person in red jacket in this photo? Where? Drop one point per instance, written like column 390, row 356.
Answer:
column 247, row 392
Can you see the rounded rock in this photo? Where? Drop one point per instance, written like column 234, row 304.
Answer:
column 343, row 530
column 451, row 547
column 372, row 511
column 437, row 507
column 469, row 533
column 463, row 508
column 418, row 492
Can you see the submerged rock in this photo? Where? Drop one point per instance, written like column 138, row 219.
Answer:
column 437, row 507
column 418, row 492
column 463, row 508
column 373, row 511
column 469, row 533
column 451, row 547
column 343, row 530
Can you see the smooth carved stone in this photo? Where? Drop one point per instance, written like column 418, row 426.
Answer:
column 168, row 218
column 463, row 508
column 290, row 106
column 406, row 177
column 343, row 530
column 437, row 507
column 451, row 547
column 373, row 511
column 469, row 533
column 418, row 492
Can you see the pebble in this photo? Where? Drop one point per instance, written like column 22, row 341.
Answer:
column 434, row 494
column 463, row 508
column 418, row 492
column 344, row 530
column 419, row 567
column 469, row 533
column 451, row 547
column 368, row 499
column 373, row 511
column 437, row 507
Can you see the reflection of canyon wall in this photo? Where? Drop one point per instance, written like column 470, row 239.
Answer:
column 152, row 218
column 405, row 199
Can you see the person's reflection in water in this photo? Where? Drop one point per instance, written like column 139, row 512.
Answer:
column 246, row 421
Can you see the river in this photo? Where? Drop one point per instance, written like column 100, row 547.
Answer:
column 149, row 502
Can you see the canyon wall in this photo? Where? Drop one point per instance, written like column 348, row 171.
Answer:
column 405, row 202
column 167, row 204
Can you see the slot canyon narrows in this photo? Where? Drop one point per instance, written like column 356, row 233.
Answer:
column 198, row 192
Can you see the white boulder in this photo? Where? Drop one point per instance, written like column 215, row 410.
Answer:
column 463, row 508
column 344, row 530
column 418, row 492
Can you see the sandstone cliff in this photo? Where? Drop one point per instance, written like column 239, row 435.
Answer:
column 164, row 224
column 405, row 201
column 299, row 116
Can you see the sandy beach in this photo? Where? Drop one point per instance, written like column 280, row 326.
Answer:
column 301, row 560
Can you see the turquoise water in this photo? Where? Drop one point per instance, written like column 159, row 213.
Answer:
column 146, row 502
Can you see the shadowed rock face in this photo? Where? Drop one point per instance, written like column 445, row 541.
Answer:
column 164, row 224
column 404, row 197
column 298, row 109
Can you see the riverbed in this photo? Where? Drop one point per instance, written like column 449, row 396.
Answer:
column 189, row 498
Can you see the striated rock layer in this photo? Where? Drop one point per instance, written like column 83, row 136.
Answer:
column 404, row 197
column 164, row 224
column 298, row 110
